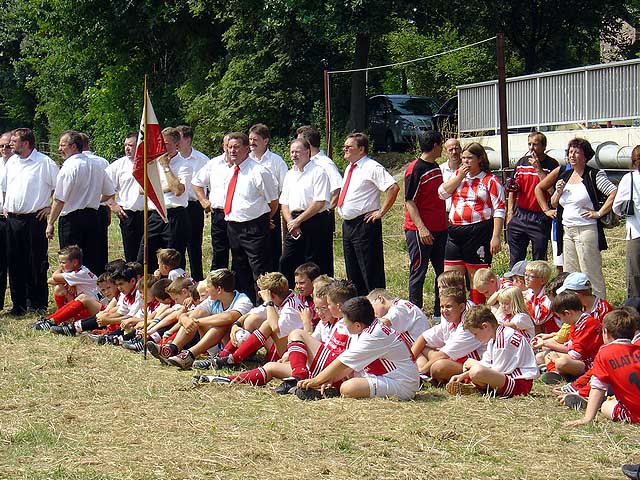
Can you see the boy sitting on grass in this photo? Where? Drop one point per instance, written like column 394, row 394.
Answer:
column 574, row 357
column 536, row 277
column 441, row 350
column 401, row 315
column 616, row 366
column 579, row 284
column 378, row 358
column 169, row 265
column 508, row 366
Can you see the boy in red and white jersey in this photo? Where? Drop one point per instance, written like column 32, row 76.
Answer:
column 579, row 283
column 508, row 366
column 304, row 277
column 536, row 276
column 616, row 366
column 378, row 357
column 401, row 315
column 574, row 357
column 442, row 349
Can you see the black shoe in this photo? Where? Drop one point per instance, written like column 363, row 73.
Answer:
column 206, row 364
column 313, row 394
column 552, row 378
column 288, row 386
column 17, row 311
column 632, row 470
column 135, row 345
column 67, row 329
column 575, row 401
column 221, row 362
column 42, row 325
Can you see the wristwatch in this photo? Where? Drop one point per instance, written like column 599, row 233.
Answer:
column 268, row 304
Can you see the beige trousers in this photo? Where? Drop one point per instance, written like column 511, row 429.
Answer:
column 581, row 254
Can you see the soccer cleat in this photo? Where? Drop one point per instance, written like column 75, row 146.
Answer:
column 206, row 364
column 42, row 325
column 98, row 338
column 202, row 379
column 575, row 401
column 223, row 362
column 135, row 345
column 460, row 388
column 632, row 470
column 551, row 378
column 313, row 394
column 568, row 388
column 158, row 351
column 288, row 386
column 183, row 360
column 65, row 329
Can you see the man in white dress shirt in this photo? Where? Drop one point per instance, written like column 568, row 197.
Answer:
column 452, row 150
column 29, row 181
column 5, row 154
column 81, row 185
column 359, row 207
column 259, row 136
column 130, row 203
column 212, row 177
column 304, row 202
column 251, row 200
column 197, row 160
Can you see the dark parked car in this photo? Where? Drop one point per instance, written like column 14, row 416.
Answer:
column 446, row 119
column 395, row 121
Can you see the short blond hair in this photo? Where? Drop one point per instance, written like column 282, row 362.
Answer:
column 379, row 292
column 540, row 268
column 275, row 282
column 514, row 296
column 484, row 276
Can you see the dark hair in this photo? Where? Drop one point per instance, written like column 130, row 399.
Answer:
column 478, row 150
column 635, row 157
column 566, row 301
column 310, row 269
column 477, row 315
column 429, row 139
column 583, row 145
column 131, row 135
column 310, row 134
column 126, row 274
column 185, row 130
column 169, row 257
column 104, row 277
column 339, row 291
column 555, row 283
column 358, row 309
column 72, row 252
column 74, row 138
column 223, row 278
column 260, row 129
column 25, row 135
column 361, row 140
column 85, row 141
column 244, row 139
column 157, row 290
column 541, row 136
column 114, row 265
column 173, row 133
column 621, row 323
column 137, row 266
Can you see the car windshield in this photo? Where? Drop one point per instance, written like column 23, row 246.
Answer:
column 411, row 106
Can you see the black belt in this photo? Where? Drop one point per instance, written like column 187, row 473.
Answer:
column 22, row 215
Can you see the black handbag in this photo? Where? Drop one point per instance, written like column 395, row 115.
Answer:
column 626, row 207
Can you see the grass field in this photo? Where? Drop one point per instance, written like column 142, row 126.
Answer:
column 77, row 411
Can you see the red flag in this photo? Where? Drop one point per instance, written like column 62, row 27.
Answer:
column 155, row 148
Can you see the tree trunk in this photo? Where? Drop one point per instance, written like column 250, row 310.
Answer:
column 357, row 114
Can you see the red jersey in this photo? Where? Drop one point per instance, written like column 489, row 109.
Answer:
column 477, row 199
column 600, row 308
column 540, row 311
column 585, row 339
column 618, row 365
column 526, row 178
column 421, row 182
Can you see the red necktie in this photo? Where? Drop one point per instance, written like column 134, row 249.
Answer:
column 343, row 192
column 231, row 189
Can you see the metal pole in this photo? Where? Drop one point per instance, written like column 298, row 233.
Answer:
column 327, row 113
column 144, row 216
column 502, row 104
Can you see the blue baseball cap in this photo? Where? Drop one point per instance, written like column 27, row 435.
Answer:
column 575, row 281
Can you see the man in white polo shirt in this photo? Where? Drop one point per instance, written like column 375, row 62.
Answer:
column 251, row 200
column 359, row 207
column 212, row 177
column 130, row 203
column 304, row 202
column 81, row 185
column 30, row 178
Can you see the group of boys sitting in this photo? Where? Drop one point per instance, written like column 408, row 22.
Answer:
column 322, row 340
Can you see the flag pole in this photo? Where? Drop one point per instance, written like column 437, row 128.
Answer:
column 144, row 221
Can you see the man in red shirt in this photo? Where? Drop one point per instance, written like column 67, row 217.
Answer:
column 526, row 222
column 425, row 218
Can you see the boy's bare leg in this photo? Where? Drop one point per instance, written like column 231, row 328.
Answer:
column 356, row 388
column 568, row 366
column 482, row 376
column 442, row 370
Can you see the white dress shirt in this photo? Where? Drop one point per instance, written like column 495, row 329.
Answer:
column 255, row 189
column 447, row 173
column 624, row 193
column 121, row 174
column 368, row 179
column 301, row 188
column 335, row 179
column 275, row 164
column 80, row 184
column 212, row 176
column 197, row 160
column 28, row 183
column 182, row 170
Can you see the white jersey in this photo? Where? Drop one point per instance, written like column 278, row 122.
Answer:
column 178, row 273
column 407, row 319
column 288, row 314
column 511, row 354
column 129, row 305
column 380, row 351
column 322, row 332
column 240, row 303
column 454, row 341
column 339, row 338
column 83, row 280
column 522, row 322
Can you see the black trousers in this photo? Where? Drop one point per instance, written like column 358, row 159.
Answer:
column 332, row 230
column 132, row 229
column 363, row 254
column 251, row 256
column 314, row 245
column 528, row 226
column 4, row 254
column 82, row 228
column 194, row 247
column 219, row 240
column 419, row 257
column 275, row 242
column 174, row 234
column 104, row 219
column 27, row 261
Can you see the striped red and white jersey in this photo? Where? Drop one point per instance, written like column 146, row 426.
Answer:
column 511, row 354
column 454, row 341
column 540, row 309
column 526, row 178
column 600, row 308
column 339, row 338
column 477, row 199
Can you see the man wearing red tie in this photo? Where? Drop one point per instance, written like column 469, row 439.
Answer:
column 359, row 207
column 251, row 201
